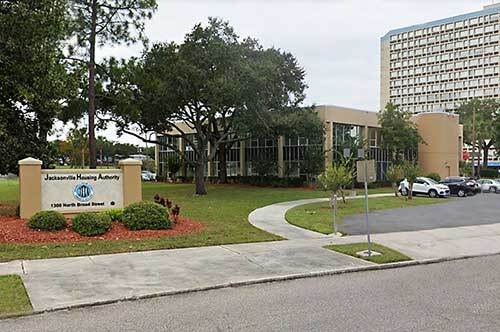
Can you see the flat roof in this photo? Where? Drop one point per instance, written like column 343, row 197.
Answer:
column 491, row 9
column 346, row 115
column 344, row 108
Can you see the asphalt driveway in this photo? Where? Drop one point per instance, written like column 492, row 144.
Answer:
column 481, row 209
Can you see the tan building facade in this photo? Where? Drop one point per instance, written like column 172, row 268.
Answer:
column 344, row 127
column 438, row 65
column 441, row 151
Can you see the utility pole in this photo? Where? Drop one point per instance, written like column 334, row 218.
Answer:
column 474, row 142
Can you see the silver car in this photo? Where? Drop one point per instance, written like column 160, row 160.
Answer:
column 489, row 185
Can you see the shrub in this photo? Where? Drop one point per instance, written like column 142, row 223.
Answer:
column 435, row 176
column 146, row 215
column 115, row 214
column 91, row 224
column 47, row 221
column 489, row 173
column 175, row 212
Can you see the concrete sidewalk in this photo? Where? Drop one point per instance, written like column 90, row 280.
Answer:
column 440, row 242
column 75, row 281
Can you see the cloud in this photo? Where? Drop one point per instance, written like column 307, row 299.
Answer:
column 336, row 41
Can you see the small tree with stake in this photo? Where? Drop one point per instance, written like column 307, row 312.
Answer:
column 394, row 174
column 334, row 179
column 411, row 171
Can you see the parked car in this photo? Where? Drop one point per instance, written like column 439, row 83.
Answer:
column 490, row 185
column 461, row 186
column 148, row 176
column 425, row 186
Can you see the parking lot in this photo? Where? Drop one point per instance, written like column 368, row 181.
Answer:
column 480, row 209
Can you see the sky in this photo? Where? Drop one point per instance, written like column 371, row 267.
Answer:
column 336, row 41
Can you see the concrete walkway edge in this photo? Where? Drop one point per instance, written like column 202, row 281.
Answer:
column 272, row 218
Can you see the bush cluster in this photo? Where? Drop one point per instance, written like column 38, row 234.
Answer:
column 47, row 221
column 91, row 224
column 146, row 215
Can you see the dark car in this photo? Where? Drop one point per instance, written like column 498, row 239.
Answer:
column 461, row 186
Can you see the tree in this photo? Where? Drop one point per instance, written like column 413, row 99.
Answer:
column 335, row 178
column 394, row 174
column 77, row 140
column 398, row 132
column 33, row 79
column 206, row 90
column 105, row 149
column 100, row 22
column 411, row 171
column 174, row 165
column 487, row 124
column 313, row 162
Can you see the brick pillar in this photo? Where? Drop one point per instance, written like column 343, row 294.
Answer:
column 30, row 187
column 132, row 186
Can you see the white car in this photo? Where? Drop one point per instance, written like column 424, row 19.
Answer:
column 490, row 185
column 424, row 186
column 148, row 176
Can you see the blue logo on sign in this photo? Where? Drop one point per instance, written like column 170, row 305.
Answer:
column 83, row 192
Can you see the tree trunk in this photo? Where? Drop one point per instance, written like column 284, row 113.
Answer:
column 83, row 157
column 91, row 92
column 395, row 188
column 199, row 178
column 222, row 163
column 410, row 191
column 485, row 156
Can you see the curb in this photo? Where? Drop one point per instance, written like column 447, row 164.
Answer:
column 258, row 281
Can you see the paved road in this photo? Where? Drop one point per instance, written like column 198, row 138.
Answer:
column 453, row 296
column 481, row 209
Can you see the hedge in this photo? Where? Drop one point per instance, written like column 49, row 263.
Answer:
column 489, row 173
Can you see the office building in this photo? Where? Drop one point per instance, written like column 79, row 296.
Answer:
column 344, row 128
column 436, row 66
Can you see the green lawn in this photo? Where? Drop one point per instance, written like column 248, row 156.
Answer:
column 13, row 297
column 388, row 255
column 9, row 196
column 223, row 212
column 318, row 216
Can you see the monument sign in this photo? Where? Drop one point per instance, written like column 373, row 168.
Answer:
column 72, row 191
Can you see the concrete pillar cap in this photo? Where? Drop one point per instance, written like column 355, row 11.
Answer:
column 130, row 161
column 29, row 161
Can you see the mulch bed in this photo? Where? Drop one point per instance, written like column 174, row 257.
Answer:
column 15, row 230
